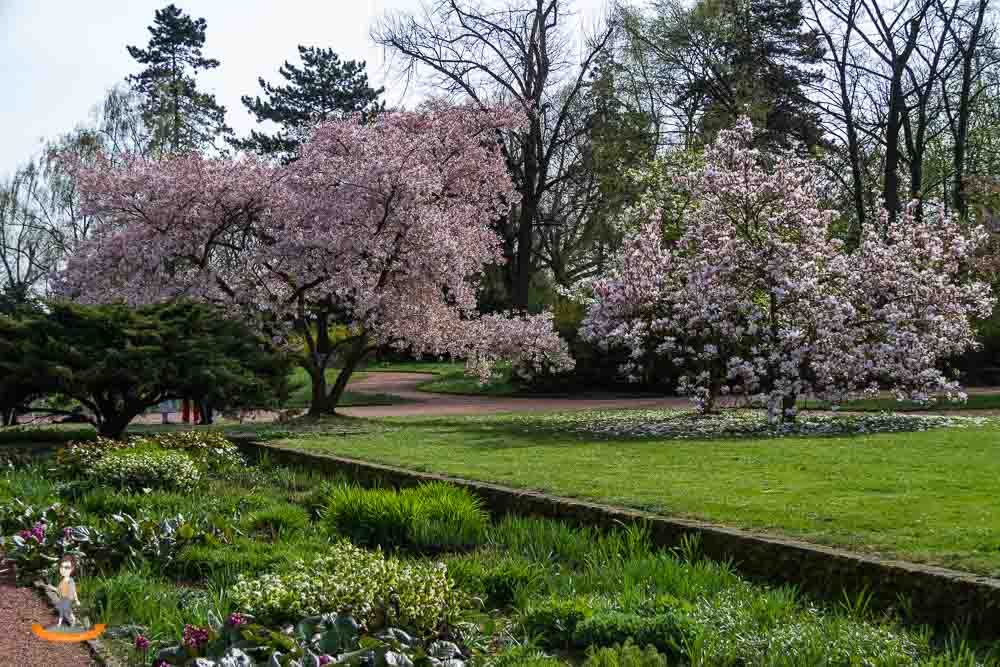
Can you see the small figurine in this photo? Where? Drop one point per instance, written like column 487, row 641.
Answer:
column 66, row 590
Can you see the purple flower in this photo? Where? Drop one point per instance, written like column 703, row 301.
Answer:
column 38, row 531
column 195, row 637
column 325, row 659
column 67, row 533
column 24, row 534
column 141, row 643
column 237, row 619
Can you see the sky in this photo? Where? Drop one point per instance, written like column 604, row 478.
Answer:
column 59, row 57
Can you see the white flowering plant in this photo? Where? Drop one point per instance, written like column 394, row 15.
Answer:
column 376, row 590
column 140, row 469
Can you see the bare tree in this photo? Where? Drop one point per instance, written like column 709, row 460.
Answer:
column 971, row 36
column 517, row 53
column 901, row 81
column 27, row 253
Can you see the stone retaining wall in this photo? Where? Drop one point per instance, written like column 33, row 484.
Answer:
column 936, row 596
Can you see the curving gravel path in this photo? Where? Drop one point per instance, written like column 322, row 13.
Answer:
column 430, row 404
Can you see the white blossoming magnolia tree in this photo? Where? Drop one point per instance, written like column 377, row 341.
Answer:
column 758, row 298
column 376, row 235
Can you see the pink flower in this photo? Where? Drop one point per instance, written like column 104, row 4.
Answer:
column 194, row 636
column 236, row 619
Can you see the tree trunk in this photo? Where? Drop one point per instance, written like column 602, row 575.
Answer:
column 857, row 181
column 894, row 121
column 354, row 356
column 890, row 187
column 788, row 408
column 529, row 210
column 318, row 398
column 113, row 427
column 964, row 111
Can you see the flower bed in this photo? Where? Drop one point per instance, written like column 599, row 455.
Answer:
column 687, row 425
column 247, row 567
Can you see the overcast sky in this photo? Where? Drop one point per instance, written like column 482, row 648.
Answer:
column 58, row 57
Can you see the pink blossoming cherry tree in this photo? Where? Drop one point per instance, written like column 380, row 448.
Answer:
column 758, row 298
column 376, row 235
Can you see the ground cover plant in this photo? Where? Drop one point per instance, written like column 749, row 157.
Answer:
column 919, row 495
column 255, row 565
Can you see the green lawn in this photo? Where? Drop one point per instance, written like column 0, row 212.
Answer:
column 437, row 367
column 928, row 496
column 301, row 390
column 457, row 382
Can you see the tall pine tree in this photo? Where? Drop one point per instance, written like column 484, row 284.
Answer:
column 323, row 87
column 727, row 58
column 180, row 116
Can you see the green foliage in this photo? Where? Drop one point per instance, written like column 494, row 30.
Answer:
column 574, row 547
column 117, row 361
column 277, row 521
column 49, row 434
column 497, row 577
column 222, row 564
column 180, row 116
column 376, row 589
column 625, row 655
column 670, row 633
column 211, row 450
column 141, row 469
column 323, row 87
column 554, row 621
column 429, row 518
column 139, row 597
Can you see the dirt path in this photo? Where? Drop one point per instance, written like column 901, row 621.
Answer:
column 19, row 647
column 422, row 403
column 404, row 385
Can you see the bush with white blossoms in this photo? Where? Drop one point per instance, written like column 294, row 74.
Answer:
column 141, row 469
column 207, row 448
column 375, row 590
column 207, row 451
column 758, row 298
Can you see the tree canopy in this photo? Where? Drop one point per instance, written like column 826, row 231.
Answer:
column 323, row 87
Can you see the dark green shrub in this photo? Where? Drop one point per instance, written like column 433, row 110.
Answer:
column 626, row 655
column 667, row 632
column 553, row 621
column 429, row 518
column 495, row 577
column 46, row 434
column 277, row 520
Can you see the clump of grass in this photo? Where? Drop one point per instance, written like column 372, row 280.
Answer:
column 574, row 547
column 499, row 579
column 277, row 521
column 138, row 597
column 28, row 484
column 221, row 564
column 429, row 518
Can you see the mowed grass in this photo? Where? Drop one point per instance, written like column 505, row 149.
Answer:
column 928, row 496
column 301, row 390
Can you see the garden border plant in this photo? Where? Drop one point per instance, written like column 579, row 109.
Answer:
column 934, row 595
